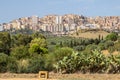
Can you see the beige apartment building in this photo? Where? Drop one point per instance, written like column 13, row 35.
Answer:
column 65, row 23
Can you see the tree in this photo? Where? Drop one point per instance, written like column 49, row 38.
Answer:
column 99, row 37
column 36, row 64
column 21, row 39
column 61, row 44
column 61, row 52
column 112, row 37
column 12, row 65
column 38, row 45
column 20, row 52
column 38, row 35
column 3, row 62
column 58, row 54
column 5, row 42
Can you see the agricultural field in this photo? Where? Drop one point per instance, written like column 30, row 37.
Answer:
column 90, row 34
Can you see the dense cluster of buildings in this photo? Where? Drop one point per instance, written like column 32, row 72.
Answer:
column 64, row 24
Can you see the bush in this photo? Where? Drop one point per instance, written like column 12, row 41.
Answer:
column 36, row 64
column 108, row 44
column 117, row 46
column 12, row 65
column 23, row 65
column 61, row 53
column 58, row 54
column 101, row 46
column 79, row 48
column 3, row 62
column 111, row 49
column 84, row 62
column 114, row 66
column 90, row 47
column 112, row 37
column 20, row 52
column 98, row 62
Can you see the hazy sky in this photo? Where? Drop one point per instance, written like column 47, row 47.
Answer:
column 14, row 9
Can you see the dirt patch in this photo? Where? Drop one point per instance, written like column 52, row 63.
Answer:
column 106, row 52
column 52, row 76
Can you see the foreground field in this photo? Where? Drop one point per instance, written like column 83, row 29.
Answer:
column 61, row 77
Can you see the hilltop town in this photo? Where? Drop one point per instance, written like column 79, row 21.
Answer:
column 64, row 24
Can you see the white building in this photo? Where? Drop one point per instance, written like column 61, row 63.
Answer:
column 34, row 19
column 1, row 27
column 58, row 19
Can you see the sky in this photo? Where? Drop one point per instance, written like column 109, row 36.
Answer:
column 14, row 9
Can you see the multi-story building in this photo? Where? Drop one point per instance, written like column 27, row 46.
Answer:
column 62, row 24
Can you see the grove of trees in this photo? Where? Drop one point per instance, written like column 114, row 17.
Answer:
column 30, row 53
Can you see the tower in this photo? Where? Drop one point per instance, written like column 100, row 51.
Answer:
column 59, row 22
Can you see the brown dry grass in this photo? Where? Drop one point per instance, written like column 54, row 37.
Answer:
column 91, row 34
column 77, row 76
column 106, row 52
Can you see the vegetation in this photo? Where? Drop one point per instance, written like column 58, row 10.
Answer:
column 29, row 53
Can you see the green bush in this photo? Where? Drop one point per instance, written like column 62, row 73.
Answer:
column 111, row 49
column 112, row 37
column 94, row 62
column 79, row 48
column 3, row 62
column 54, row 57
column 117, row 46
column 61, row 53
column 20, row 52
column 98, row 62
column 90, row 47
column 114, row 66
column 36, row 64
column 12, row 65
column 101, row 46
column 38, row 46
column 107, row 44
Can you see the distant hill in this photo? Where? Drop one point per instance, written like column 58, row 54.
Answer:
column 63, row 24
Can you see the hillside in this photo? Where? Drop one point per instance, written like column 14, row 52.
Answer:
column 63, row 24
column 90, row 34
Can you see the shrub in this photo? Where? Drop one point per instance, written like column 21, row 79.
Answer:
column 79, row 48
column 61, row 53
column 23, row 65
column 20, row 52
column 38, row 46
column 117, row 46
column 114, row 66
column 36, row 64
column 98, row 62
column 112, row 37
column 12, row 65
column 101, row 46
column 3, row 62
column 84, row 62
column 58, row 54
column 108, row 44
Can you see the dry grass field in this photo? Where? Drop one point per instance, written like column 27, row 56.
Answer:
column 106, row 52
column 61, row 77
column 90, row 34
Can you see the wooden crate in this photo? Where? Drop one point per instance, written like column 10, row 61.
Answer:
column 43, row 75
